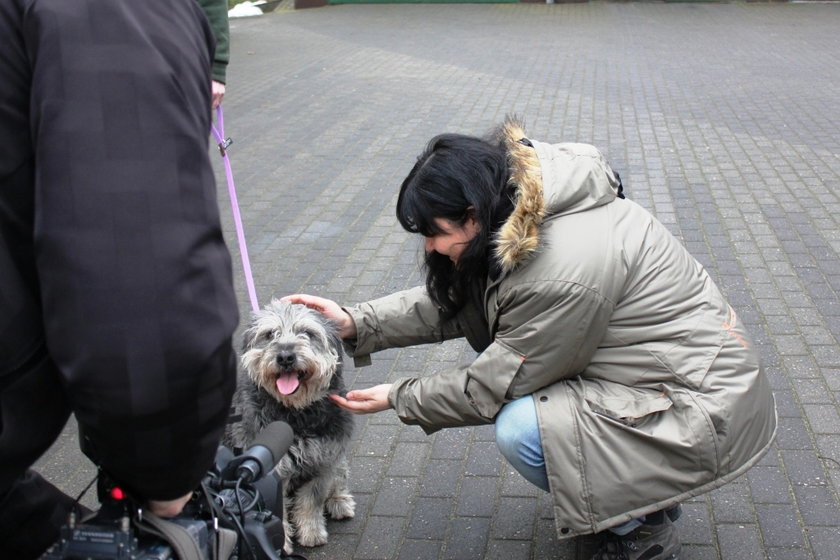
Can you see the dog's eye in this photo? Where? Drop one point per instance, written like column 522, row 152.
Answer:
column 266, row 336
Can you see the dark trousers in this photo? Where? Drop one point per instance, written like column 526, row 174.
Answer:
column 33, row 411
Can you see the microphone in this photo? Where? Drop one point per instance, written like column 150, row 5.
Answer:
column 264, row 453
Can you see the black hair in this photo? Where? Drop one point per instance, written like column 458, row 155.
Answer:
column 455, row 178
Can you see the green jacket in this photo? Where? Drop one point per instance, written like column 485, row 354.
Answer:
column 648, row 389
column 217, row 14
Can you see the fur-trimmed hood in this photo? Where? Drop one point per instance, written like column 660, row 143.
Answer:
column 550, row 180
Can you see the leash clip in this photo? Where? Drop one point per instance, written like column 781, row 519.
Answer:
column 223, row 146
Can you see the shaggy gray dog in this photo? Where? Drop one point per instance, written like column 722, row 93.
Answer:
column 292, row 359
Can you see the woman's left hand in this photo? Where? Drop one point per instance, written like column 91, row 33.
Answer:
column 365, row 401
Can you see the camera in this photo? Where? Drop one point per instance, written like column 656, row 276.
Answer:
column 235, row 514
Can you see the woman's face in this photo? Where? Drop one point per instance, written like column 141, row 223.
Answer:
column 453, row 238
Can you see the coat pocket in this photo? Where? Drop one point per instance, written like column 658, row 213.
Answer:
column 630, row 406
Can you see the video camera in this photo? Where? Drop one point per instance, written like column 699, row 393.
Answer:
column 236, row 514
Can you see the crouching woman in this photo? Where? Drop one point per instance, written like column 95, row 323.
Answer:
column 617, row 376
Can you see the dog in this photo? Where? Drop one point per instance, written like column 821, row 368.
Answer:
column 291, row 360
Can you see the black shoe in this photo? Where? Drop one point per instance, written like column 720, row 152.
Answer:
column 647, row 542
column 674, row 512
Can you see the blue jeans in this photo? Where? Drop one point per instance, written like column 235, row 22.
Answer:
column 518, row 438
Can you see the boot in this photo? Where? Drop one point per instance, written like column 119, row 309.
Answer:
column 656, row 539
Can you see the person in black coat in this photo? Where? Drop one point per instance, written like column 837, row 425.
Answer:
column 116, row 295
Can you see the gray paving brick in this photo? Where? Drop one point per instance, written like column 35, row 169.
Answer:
column 739, row 541
column 779, row 526
column 419, row 549
column 450, row 444
column 484, row 459
column 823, row 541
column 514, row 484
column 792, row 434
column 823, row 418
column 698, row 552
column 381, row 538
column 408, row 459
column 515, row 518
column 472, row 500
column 395, row 497
column 468, row 539
column 812, row 391
column 732, row 504
column 803, row 468
column 441, row 479
column 366, row 473
column 818, row 505
column 694, row 525
column 504, row 549
column 377, row 440
column 430, row 518
column 769, row 485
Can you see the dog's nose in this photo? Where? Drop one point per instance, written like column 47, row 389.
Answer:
column 286, row 358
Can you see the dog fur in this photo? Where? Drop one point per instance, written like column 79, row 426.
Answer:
column 291, row 360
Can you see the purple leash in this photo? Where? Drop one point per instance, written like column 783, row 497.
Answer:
column 219, row 133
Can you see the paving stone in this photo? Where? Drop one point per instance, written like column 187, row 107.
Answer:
column 473, row 499
column 739, row 541
column 732, row 503
column 779, row 526
column 420, row 549
column 395, row 497
column 441, row 479
column 505, row 549
column 514, row 518
column 823, row 541
column 430, row 518
column 468, row 539
column 408, row 459
column 818, row 505
column 381, row 538
column 769, row 485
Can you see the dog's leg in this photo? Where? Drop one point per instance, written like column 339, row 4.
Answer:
column 308, row 513
column 288, row 528
column 340, row 504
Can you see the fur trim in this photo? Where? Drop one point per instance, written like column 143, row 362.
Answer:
column 518, row 238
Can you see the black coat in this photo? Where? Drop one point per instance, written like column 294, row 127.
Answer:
column 113, row 267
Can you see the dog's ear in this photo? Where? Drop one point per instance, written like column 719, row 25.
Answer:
column 249, row 335
column 334, row 339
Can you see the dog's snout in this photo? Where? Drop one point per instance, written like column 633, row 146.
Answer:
column 286, row 358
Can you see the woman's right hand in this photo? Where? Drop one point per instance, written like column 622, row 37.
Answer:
column 329, row 309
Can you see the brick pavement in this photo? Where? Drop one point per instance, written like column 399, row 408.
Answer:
column 722, row 119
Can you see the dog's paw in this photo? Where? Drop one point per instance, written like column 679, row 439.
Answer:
column 312, row 534
column 288, row 547
column 289, row 530
column 341, row 507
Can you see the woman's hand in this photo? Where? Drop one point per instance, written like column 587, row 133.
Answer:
column 329, row 309
column 365, row 401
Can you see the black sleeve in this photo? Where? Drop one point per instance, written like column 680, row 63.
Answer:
column 135, row 277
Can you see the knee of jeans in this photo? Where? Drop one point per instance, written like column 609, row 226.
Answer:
column 508, row 437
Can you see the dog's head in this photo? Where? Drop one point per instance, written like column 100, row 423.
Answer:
column 292, row 352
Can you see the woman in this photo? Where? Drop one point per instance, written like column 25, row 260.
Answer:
column 618, row 377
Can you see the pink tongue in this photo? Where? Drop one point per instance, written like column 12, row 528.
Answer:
column 287, row 383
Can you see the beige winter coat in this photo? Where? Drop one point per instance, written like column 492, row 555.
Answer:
column 648, row 389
